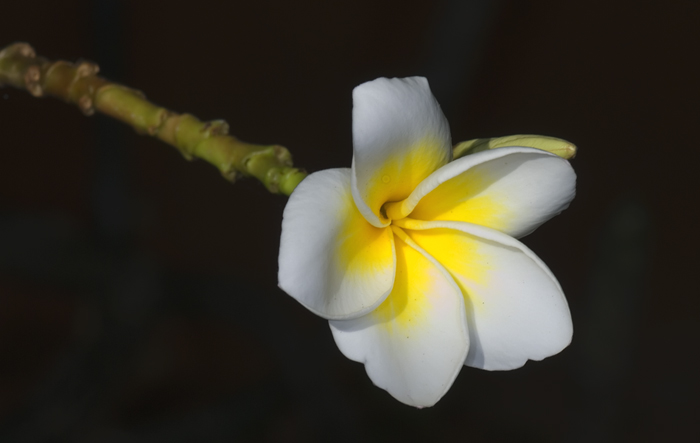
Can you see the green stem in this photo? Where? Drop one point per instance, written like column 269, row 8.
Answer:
column 210, row 141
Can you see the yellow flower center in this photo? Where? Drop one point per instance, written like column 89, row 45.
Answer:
column 391, row 211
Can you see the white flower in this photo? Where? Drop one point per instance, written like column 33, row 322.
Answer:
column 413, row 258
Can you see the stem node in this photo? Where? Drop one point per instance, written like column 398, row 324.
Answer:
column 79, row 84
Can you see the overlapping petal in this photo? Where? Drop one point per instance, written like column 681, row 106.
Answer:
column 412, row 258
column 400, row 137
column 331, row 259
column 515, row 307
column 414, row 344
column 513, row 190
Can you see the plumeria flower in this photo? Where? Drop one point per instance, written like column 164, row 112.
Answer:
column 413, row 257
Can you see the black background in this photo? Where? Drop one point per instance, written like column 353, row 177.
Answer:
column 138, row 297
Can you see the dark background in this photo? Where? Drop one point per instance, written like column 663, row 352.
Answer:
column 138, row 297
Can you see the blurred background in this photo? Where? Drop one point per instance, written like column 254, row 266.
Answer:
column 138, row 291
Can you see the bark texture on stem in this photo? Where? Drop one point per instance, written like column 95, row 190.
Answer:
column 78, row 83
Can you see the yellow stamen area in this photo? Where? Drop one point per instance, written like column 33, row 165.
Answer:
column 398, row 176
column 458, row 199
column 459, row 253
column 395, row 210
column 406, row 308
column 362, row 249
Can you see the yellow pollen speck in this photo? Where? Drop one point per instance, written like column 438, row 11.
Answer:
column 386, row 179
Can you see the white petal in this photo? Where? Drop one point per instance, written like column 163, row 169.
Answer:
column 331, row 259
column 415, row 343
column 513, row 190
column 515, row 307
column 400, row 136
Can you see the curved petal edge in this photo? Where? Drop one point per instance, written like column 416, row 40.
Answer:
column 400, row 137
column 331, row 259
column 414, row 345
column 516, row 309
